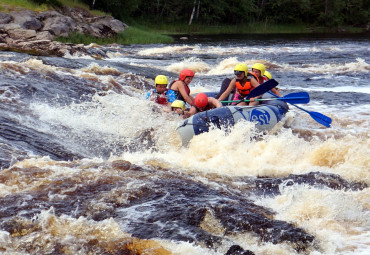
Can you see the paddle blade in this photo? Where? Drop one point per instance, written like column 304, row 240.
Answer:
column 263, row 88
column 321, row 118
column 296, row 98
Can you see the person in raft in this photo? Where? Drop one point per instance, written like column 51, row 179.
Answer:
column 181, row 86
column 267, row 76
column 260, row 70
column 244, row 83
column 178, row 106
column 161, row 94
column 203, row 103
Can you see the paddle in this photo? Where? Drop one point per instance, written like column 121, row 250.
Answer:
column 292, row 98
column 319, row 117
column 263, row 88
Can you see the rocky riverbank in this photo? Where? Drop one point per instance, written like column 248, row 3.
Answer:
column 33, row 32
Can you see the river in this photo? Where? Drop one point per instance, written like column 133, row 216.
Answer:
column 88, row 166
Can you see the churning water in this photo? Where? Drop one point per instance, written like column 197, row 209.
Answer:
column 90, row 167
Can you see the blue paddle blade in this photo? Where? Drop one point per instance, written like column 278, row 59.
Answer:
column 296, row 98
column 321, row 118
column 263, row 88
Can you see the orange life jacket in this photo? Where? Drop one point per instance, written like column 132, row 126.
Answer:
column 247, row 87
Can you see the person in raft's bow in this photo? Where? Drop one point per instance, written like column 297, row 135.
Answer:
column 202, row 103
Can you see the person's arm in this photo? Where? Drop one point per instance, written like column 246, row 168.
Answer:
column 191, row 112
column 179, row 85
column 214, row 102
column 276, row 91
column 228, row 90
column 255, row 84
column 189, row 99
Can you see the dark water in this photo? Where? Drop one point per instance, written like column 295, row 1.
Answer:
column 90, row 167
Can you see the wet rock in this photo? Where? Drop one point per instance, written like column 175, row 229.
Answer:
column 166, row 205
column 237, row 250
column 271, row 186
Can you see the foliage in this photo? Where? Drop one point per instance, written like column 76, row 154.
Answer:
column 11, row 5
column 330, row 13
column 48, row 2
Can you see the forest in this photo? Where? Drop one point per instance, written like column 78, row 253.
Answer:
column 328, row 13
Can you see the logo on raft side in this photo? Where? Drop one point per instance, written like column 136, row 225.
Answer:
column 261, row 116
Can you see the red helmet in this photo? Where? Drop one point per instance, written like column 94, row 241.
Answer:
column 185, row 73
column 201, row 100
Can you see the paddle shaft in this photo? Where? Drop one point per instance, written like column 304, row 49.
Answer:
column 267, row 99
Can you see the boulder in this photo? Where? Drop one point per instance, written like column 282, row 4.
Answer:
column 5, row 18
column 27, row 19
column 10, row 26
column 19, row 34
column 59, row 25
column 44, row 35
column 33, row 32
column 115, row 25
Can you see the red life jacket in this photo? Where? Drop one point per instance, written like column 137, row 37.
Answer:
column 162, row 98
column 159, row 98
column 246, row 88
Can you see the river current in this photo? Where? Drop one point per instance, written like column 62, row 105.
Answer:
column 88, row 166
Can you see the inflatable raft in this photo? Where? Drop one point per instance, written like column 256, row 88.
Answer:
column 265, row 115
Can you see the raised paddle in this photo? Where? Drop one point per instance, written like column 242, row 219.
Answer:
column 319, row 117
column 263, row 88
column 292, row 98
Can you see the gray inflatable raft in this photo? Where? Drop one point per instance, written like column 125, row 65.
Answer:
column 265, row 116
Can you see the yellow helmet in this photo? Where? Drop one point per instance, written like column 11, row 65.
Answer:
column 241, row 67
column 161, row 79
column 179, row 104
column 268, row 75
column 260, row 67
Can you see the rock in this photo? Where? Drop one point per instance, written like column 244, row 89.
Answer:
column 44, row 35
column 33, row 32
column 108, row 21
column 49, row 14
column 59, row 25
column 10, row 26
column 27, row 19
column 5, row 18
column 237, row 250
column 19, row 33
column 2, row 38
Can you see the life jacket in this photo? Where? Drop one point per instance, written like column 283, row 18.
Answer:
column 177, row 92
column 246, row 88
column 159, row 98
column 260, row 80
column 265, row 78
